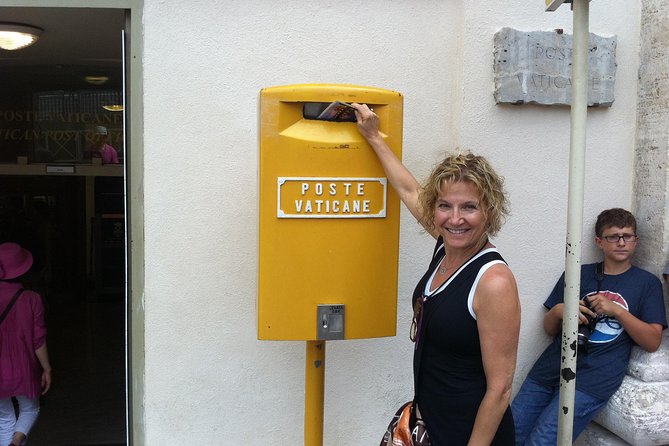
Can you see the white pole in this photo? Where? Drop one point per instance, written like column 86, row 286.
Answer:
column 579, row 112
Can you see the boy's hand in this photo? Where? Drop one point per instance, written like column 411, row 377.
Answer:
column 602, row 304
column 586, row 313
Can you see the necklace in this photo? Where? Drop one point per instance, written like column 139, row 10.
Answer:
column 443, row 268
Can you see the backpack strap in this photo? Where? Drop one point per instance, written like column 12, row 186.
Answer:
column 10, row 305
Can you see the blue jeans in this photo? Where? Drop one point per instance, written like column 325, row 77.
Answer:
column 535, row 413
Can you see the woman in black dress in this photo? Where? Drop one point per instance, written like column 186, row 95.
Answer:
column 467, row 311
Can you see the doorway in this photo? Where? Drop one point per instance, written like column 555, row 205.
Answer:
column 65, row 201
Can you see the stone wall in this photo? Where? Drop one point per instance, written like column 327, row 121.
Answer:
column 652, row 145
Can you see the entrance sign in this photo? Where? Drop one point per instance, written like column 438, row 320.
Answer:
column 553, row 5
column 535, row 67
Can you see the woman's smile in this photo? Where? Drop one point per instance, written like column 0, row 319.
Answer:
column 459, row 217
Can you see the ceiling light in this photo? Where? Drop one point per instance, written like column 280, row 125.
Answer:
column 96, row 80
column 14, row 36
column 113, row 108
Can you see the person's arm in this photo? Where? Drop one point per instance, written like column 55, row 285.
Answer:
column 18, row 438
column 402, row 180
column 497, row 310
column 553, row 318
column 43, row 358
column 647, row 336
column 114, row 157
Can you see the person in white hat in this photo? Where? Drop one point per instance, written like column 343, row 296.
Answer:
column 25, row 371
column 101, row 148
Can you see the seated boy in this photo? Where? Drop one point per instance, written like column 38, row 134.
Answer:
column 627, row 307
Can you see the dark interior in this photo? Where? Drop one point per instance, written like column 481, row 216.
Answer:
column 73, row 223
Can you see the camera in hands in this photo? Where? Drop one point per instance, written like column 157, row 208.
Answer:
column 584, row 330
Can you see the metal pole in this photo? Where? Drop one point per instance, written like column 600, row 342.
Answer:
column 314, row 393
column 579, row 112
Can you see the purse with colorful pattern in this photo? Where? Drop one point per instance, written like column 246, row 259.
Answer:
column 406, row 429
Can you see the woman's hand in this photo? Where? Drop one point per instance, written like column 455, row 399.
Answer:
column 43, row 358
column 46, row 381
column 368, row 121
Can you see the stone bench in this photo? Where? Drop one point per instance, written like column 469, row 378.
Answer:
column 638, row 413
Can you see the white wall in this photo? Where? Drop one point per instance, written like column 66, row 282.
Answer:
column 208, row 380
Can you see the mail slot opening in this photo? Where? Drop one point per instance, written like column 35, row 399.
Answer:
column 337, row 111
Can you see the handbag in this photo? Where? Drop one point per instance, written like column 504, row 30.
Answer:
column 406, row 428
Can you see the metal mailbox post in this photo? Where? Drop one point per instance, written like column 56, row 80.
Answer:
column 328, row 226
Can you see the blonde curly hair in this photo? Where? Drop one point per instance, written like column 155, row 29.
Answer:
column 473, row 169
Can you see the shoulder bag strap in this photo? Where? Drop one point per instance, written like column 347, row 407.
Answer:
column 10, row 305
column 599, row 275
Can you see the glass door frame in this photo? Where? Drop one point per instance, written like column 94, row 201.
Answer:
column 134, row 176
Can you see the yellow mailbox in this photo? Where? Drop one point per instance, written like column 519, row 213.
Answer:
column 329, row 220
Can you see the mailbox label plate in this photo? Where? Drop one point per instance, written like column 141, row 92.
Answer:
column 326, row 197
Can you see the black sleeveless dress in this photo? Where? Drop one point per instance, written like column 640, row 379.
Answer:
column 449, row 378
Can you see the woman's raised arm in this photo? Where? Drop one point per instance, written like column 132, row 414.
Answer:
column 402, row 180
